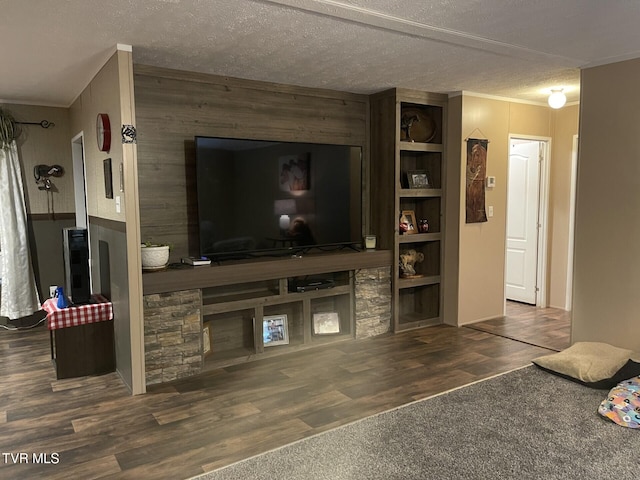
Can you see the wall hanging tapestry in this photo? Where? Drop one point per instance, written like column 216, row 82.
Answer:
column 476, row 173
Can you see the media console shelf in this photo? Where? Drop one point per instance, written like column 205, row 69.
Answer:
column 315, row 296
column 236, row 317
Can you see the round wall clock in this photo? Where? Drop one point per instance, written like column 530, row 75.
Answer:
column 103, row 132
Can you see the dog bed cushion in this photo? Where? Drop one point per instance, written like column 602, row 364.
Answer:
column 594, row 364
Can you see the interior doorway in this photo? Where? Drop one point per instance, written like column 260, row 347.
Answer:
column 527, row 202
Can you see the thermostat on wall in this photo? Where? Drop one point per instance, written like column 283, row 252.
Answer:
column 491, row 182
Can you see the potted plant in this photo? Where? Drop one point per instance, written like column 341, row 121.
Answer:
column 154, row 255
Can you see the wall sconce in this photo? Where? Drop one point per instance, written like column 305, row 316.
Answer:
column 557, row 99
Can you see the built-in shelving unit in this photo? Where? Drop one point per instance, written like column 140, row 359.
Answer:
column 235, row 315
column 407, row 137
column 234, row 298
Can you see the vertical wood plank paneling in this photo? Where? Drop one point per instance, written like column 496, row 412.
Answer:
column 172, row 107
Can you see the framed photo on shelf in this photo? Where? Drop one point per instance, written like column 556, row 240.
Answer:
column 207, row 339
column 418, row 179
column 408, row 224
column 275, row 330
column 326, row 323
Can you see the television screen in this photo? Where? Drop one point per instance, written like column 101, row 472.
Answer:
column 261, row 197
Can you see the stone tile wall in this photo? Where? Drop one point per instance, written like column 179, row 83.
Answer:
column 172, row 336
column 373, row 301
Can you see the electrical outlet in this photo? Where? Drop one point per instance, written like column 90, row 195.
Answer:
column 490, row 211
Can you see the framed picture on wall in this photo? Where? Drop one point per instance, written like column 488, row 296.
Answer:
column 108, row 179
column 294, row 172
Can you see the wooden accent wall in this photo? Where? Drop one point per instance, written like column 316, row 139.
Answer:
column 172, row 107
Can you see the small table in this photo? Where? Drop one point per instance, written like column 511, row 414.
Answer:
column 82, row 339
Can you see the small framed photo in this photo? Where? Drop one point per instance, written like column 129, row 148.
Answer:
column 207, row 339
column 418, row 179
column 108, row 180
column 275, row 330
column 326, row 323
column 408, row 224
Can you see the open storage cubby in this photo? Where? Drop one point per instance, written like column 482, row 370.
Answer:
column 293, row 313
column 408, row 132
column 428, row 208
column 244, row 291
column 231, row 334
column 270, row 317
column 329, row 314
column 430, row 266
column 427, row 126
column 419, row 305
column 429, row 162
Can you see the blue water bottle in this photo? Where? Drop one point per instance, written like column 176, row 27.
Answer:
column 62, row 300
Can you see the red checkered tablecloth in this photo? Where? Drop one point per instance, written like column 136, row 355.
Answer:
column 100, row 310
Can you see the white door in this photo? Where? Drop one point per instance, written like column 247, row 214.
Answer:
column 522, row 220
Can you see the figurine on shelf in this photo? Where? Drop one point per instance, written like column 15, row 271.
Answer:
column 406, row 123
column 408, row 262
column 423, row 225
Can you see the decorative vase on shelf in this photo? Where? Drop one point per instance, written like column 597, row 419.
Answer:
column 154, row 257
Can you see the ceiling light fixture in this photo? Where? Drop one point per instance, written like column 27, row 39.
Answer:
column 557, row 99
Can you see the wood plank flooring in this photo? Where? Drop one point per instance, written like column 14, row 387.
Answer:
column 545, row 327
column 188, row 427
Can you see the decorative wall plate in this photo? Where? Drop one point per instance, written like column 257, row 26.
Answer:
column 422, row 128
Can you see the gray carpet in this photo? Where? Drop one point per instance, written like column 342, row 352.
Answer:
column 524, row 424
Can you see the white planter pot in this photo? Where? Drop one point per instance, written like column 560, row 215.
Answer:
column 154, row 257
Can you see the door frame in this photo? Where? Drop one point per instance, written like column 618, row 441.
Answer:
column 543, row 216
column 572, row 222
column 80, row 193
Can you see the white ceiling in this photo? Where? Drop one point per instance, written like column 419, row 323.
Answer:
column 517, row 49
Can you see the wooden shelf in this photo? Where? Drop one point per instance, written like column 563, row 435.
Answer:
column 420, row 192
column 418, row 281
column 421, row 147
column 414, row 320
column 254, row 270
column 417, row 301
column 419, row 237
column 235, row 320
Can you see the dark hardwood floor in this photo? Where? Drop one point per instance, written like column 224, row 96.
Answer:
column 546, row 327
column 188, row 427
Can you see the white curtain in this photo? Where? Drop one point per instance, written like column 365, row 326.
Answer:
column 19, row 293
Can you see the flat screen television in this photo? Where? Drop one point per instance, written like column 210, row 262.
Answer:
column 258, row 198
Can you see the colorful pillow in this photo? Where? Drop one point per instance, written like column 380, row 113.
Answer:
column 594, row 364
column 622, row 405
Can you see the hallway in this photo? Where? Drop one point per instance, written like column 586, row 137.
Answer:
column 543, row 327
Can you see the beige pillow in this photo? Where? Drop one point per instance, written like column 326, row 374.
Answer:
column 589, row 363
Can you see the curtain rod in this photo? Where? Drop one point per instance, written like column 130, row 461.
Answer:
column 43, row 123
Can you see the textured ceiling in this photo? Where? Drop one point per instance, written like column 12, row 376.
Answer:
column 518, row 49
